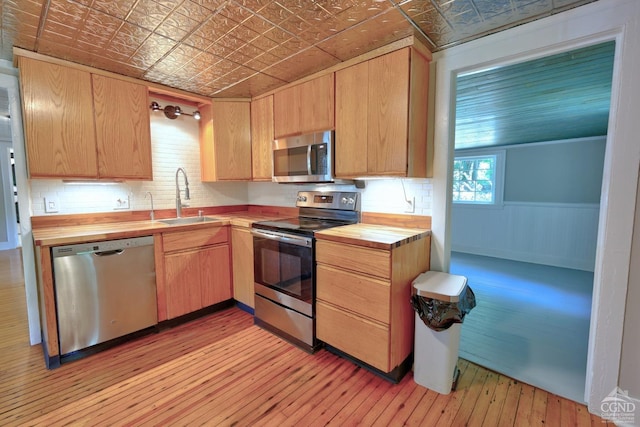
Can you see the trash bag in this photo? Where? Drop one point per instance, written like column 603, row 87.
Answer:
column 440, row 315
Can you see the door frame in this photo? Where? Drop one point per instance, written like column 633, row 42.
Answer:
column 9, row 81
column 7, row 197
column 597, row 22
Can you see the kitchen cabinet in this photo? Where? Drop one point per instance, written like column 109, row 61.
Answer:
column 363, row 294
column 123, row 132
column 262, row 139
column 58, row 120
column 82, row 125
column 242, row 258
column 196, row 270
column 304, row 108
column 381, row 116
column 225, row 141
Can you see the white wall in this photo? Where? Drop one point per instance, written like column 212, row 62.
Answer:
column 561, row 235
column 551, row 206
column 593, row 23
column 629, row 372
column 379, row 195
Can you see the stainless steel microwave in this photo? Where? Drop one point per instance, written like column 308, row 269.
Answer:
column 304, row 158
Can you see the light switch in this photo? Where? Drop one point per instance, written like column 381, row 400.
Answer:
column 51, row 204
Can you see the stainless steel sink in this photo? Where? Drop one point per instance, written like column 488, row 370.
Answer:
column 188, row 220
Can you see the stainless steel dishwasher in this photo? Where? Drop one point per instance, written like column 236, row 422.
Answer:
column 104, row 290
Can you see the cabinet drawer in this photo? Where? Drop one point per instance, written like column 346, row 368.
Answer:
column 356, row 336
column 179, row 240
column 355, row 292
column 364, row 260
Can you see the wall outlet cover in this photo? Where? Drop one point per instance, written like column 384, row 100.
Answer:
column 122, row 203
column 51, row 204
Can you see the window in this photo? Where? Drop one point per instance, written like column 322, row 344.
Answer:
column 477, row 179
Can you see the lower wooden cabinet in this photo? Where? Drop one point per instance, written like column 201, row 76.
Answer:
column 242, row 256
column 362, row 303
column 196, row 270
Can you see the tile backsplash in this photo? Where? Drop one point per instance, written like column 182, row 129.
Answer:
column 175, row 144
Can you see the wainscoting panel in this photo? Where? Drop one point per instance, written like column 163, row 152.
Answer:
column 561, row 235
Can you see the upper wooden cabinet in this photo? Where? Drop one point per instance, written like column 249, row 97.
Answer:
column 225, row 141
column 123, row 135
column 262, row 138
column 381, row 116
column 83, row 125
column 305, row 108
column 58, row 120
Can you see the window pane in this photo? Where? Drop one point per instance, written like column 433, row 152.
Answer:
column 474, row 179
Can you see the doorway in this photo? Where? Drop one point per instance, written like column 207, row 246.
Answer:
column 530, row 144
column 8, row 212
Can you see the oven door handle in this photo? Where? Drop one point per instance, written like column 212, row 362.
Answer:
column 293, row 240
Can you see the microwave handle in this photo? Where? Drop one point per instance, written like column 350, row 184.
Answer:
column 309, row 159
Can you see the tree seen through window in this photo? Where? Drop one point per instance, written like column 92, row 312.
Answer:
column 474, row 179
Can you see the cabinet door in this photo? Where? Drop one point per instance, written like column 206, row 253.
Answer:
column 352, row 92
column 182, row 283
column 215, row 275
column 361, row 338
column 305, row 108
column 232, row 140
column 388, row 113
column 262, row 138
column 286, row 112
column 317, row 98
column 361, row 294
column 123, row 134
column 242, row 256
column 58, row 120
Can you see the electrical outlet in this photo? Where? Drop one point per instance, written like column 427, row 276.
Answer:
column 411, row 205
column 51, row 204
column 122, row 203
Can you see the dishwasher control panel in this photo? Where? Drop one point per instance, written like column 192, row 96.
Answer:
column 104, row 246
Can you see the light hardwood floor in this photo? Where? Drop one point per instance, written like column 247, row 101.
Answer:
column 223, row 370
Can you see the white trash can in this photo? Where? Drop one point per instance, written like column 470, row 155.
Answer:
column 436, row 352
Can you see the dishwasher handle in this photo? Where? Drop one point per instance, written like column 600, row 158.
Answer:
column 109, row 253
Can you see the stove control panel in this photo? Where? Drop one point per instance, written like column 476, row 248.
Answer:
column 328, row 200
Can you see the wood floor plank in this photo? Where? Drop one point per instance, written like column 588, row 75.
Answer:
column 357, row 400
column 510, row 406
column 484, row 399
column 568, row 417
column 467, row 374
column 525, row 406
column 393, row 411
column 221, row 369
column 539, row 408
column 471, row 397
column 492, row 416
column 553, row 409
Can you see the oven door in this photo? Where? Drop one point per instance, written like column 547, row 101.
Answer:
column 283, row 269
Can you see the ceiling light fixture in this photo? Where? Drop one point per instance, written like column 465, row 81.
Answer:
column 173, row 111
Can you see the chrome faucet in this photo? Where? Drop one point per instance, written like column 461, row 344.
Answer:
column 179, row 204
column 151, row 214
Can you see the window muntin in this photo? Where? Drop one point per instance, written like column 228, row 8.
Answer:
column 475, row 179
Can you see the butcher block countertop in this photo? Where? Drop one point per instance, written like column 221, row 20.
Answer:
column 71, row 234
column 373, row 236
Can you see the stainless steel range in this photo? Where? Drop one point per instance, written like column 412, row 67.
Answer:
column 285, row 265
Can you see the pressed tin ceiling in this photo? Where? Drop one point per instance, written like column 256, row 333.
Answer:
column 242, row 48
